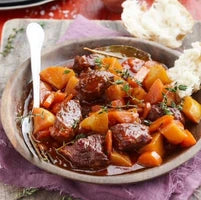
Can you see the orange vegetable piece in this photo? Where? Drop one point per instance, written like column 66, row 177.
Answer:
column 112, row 64
column 97, row 122
column 120, row 159
column 108, row 142
column 155, row 92
column 120, row 116
column 192, row 109
column 171, row 97
column 147, row 109
column 132, row 82
column 57, row 106
column 189, row 140
column 139, row 93
column 56, row 76
column 173, row 132
column 150, row 159
column 71, row 85
column 115, row 92
column 156, row 72
column 49, row 100
column 142, row 73
column 96, row 108
column 59, row 96
column 118, row 103
column 162, row 121
column 43, row 119
column 156, row 145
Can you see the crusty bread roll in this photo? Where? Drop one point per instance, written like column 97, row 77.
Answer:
column 166, row 21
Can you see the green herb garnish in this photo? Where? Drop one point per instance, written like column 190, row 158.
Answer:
column 175, row 88
column 182, row 87
column 27, row 192
column 9, row 46
column 75, row 124
column 164, row 106
column 67, row 71
column 42, row 24
column 147, row 122
column 118, row 82
column 126, row 88
column 98, row 62
column 103, row 110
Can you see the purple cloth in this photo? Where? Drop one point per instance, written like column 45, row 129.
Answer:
column 179, row 184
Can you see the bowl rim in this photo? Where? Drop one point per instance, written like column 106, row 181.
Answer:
column 134, row 177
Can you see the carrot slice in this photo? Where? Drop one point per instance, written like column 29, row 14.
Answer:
column 155, row 93
column 189, row 140
column 150, row 159
column 108, row 142
column 59, row 96
column 49, row 100
column 147, row 109
column 160, row 122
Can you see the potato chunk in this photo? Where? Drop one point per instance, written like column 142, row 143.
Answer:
column 156, row 145
column 173, row 132
column 120, row 159
column 156, row 72
column 192, row 109
column 97, row 122
column 43, row 119
column 57, row 76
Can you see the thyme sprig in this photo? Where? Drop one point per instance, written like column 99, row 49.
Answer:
column 9, row 46
column 177, row 87
column 26, row 192
column 126, row 88
column 20, row 118
column 123, row 73
column 77, row 137
column 164, row 106
column 99, row 63
column 104, row 109
column 75, row 124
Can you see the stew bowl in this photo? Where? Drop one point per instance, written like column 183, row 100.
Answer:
column 13, row 96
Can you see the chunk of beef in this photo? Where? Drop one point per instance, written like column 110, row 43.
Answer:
column 129, row 136
column 156, row 112
column 178, row 115
column 93, row 84
column 83, row 63
column 67, row 118
column 86, row 153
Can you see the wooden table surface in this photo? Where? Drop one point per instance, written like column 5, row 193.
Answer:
column 68, row 9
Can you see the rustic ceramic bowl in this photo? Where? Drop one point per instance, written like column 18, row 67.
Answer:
column 14, row 92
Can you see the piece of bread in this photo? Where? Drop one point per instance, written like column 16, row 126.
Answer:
column 166, row 21
column 187, row 70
